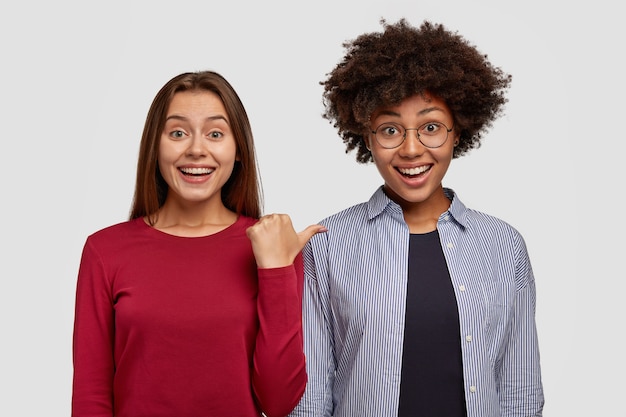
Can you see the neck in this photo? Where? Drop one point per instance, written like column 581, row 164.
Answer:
column 422, row 216
column 192, row 220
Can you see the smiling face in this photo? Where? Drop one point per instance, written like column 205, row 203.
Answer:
column 197, row 149
column 413, row 172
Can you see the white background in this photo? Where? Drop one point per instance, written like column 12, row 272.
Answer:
column 78, row 78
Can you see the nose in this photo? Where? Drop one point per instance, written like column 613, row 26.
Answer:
column 411, row 145
column 197, row 145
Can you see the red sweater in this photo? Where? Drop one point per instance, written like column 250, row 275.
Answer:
column 174, row 327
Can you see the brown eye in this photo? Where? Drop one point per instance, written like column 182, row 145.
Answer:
column 390, row 130
column 216, row 135
column 431, row 128
column 177, row 134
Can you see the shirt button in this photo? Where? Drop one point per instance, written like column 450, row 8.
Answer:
column 473, row 388
column 461, row 287
column 447, row 218
column 450, row 245
column 468, row 338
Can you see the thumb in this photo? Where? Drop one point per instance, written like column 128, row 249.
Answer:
column 309, row 232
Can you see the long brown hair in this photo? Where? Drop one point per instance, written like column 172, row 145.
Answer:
column 242, row 192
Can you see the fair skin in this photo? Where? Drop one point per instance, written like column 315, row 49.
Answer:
column 197, row 154
column 412, row 172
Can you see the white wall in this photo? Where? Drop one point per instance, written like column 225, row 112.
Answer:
column 77, row 80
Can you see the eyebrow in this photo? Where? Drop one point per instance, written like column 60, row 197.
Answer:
column 210, row 118
column 420, row 113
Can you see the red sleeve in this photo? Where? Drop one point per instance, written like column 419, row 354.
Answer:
column 92, row 393
column 279, row 376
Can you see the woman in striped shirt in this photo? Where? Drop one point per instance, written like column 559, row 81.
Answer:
column 414, row 304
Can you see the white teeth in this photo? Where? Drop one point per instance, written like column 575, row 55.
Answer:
column 414, row 171
column 196, row 171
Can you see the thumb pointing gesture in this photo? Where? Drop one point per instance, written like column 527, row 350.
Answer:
column 275, row 243
column 310, row 231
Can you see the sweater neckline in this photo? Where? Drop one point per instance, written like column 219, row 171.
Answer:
column 232, row 228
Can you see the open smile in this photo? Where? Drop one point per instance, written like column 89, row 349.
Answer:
column 194, row 172
column 414, row 172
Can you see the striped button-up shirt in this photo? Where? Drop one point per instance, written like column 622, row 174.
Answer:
column 354, row 311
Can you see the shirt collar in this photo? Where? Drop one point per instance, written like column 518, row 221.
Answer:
column 379, row 202
column 457, row 209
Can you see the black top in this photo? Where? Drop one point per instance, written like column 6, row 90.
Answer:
column 432, row 367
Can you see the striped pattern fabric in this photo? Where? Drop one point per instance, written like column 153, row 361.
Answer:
column 354, row 309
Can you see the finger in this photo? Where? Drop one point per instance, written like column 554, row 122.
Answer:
column 309, row 232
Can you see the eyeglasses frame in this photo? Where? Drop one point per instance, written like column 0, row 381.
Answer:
column 417, row 129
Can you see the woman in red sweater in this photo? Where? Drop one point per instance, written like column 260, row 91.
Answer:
column 192, row 307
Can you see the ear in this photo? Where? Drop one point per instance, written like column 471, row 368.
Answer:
column 457, row 138
column 366, row 141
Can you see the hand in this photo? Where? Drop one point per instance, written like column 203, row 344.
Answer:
column 275, row 243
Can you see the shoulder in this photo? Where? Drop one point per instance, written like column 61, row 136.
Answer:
column 479, row 222
column 345, row 229
column 357, row 212
column 491, row 225
column 490, row 234
column 246, row 221
column 118, row 229
column 113, row 242
column 117, row 237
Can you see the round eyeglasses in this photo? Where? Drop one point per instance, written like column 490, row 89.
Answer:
column 430, row 134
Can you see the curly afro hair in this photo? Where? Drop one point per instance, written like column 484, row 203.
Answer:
column 382, row 69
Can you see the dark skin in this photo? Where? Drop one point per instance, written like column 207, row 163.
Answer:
column 381, row 69
column 413, row 172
